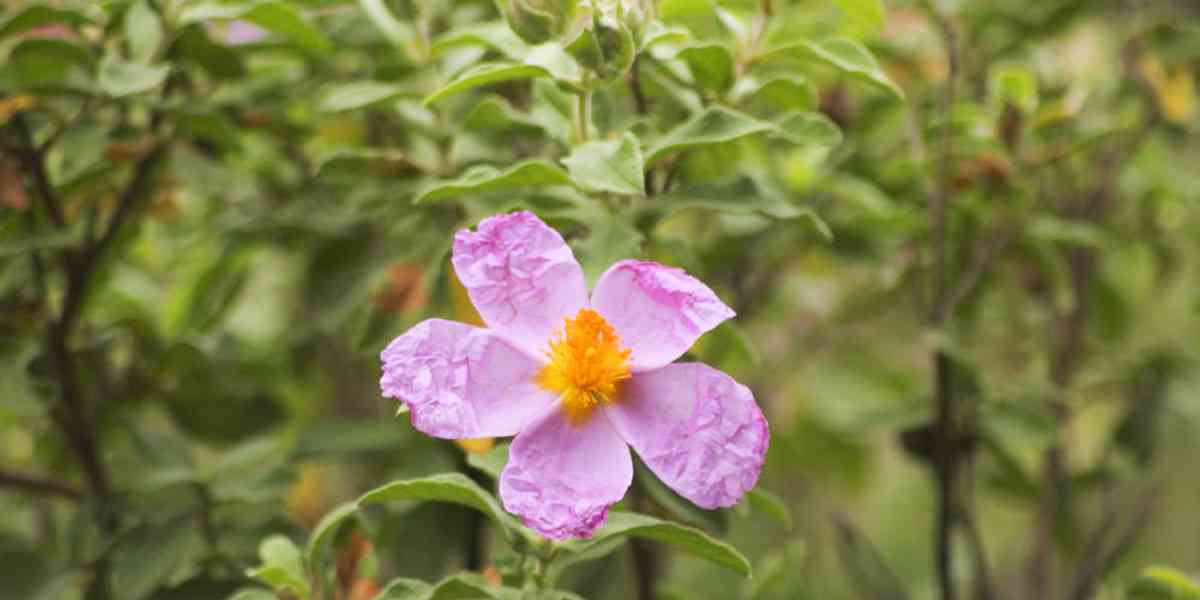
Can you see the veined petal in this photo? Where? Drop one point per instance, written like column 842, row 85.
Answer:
column 657, row 311
column 561, row 478
column 521, row 277
column 461, row 381
column 699, row 431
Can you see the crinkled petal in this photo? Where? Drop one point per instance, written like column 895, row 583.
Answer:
column 561, row 478
column 657, row 311
column 699, row 431
column 460, row 381
column 521, row 277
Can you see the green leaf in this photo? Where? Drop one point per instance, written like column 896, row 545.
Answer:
column 492, row 36
column 405, row 589
column 18, row 245
column 282, row 566
column 486, row 178
column 454, row 488
column 771, row 505
column 711, row 66
column 359, row 94
column 485, row 74
column 777, row 94
column 146, row 557
column 496, row 114
column 393, row 30
column 866, row 14
column 809, row 129
column 253, row 594
column 715, row 125
column 491, row 462
column 143, row 31
column 280, row 18
column 609, row 166
column 688, row 539
column 119, row 78
column 1163, row 583
column 38, row 61
column 845, row 55
column 1054, row 229
column 39, row 15
column 325, row 531
column 1013, row 84
column 464, row 586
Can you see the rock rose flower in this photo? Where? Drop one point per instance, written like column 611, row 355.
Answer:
column 577, row 380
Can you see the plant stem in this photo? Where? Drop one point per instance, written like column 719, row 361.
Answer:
column 583, row 115
column 39, row 484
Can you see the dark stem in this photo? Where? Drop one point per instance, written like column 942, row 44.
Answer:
column 947, row 448
column 646, row 560
column 39, row 484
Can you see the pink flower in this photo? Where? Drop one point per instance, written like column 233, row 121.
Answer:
column 578, row 379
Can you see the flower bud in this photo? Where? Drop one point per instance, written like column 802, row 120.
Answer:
column 538, row 21
column 601, row 42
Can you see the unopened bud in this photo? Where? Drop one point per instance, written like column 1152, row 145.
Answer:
column 601, row 42
column 538, row 21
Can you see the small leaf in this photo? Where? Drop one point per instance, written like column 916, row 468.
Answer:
column 713, row 126
column 485, row 74
column 492, row 36
column 809, row 129
column 119, row 78
column 325, row 531
column 253, row 594
column 867, row 14
column 843, row 54
column 359, row 94
column 711, row 66
column 610, row 166
column 1163, row 583
column 486, row 178
column 496, row 114
column 688, row 539
column 770, row 505
column 146, row 557
column 454, row 488
column 393, row 30
column 781, row 93
column 143, row 31
column 282, row 566
column 279, row 18
column 38, row 15
column 405, row 589
column 491, row 462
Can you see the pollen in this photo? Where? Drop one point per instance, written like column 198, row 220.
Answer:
column 587, row 365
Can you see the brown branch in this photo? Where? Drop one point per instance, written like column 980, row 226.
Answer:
column 1102, row 560
column 948, row 456
column 39, row 484
column 35, row 165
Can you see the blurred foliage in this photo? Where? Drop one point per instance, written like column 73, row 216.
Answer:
column 959, row 235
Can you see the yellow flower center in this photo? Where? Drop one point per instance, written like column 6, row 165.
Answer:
column 587, row 365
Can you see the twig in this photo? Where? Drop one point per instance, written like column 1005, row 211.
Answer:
column 39, row 484
column 1102, row 560
column 947, row 457
column 35, row 164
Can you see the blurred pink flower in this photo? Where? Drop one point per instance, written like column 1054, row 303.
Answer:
column 578, row 379
column 243, row 32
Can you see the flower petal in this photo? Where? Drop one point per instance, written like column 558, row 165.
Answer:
column 658, row 311
column 561, row 478
column 699, row 430
column 521, row 277
column 461, row 381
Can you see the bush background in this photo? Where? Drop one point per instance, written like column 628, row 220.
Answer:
column 960, row 237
